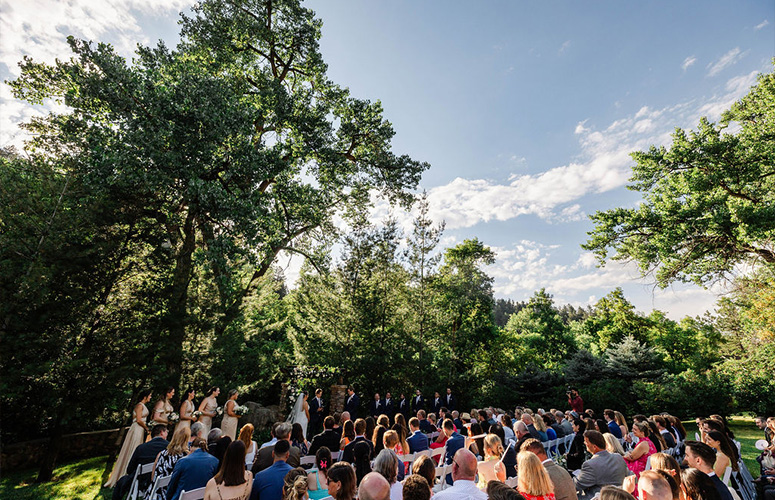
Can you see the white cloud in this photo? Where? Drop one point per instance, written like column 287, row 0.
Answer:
column 565, row 46
column 724, row 61
column 688, row 62
column 761, row 25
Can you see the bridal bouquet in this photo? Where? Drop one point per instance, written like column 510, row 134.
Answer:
column 173, row 418
column 241, row 410
column 196, row 414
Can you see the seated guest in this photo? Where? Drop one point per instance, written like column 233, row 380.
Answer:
column 602, row 469
column 601, row 426
column 508, row 430
column 476, row 446
column 374, row 486
column 456, row 420
column 265, row 457
column 499, row 491
column 637, row 457
column 294, row 485
column 491, row 469
column 425, row 467
column 417, row 441
column 298, row 440
column 361, row 460
column 652, row 486
column 455, row 442
column 217, row 442
column 166, row 460
column 463, row 477
column 251, row 447
column 662, row 424
column 268, row 483
column 143, row 454
column 425, row 425
column 341, row 481
column 527, row 419
column 509, row 460
column 197, row 431
column 698, row 486
column 232, row 480
column 317, row 478
column 726, row 452
column 540, row 426
column 577, row 449
column 612, row 444
column 390, row 442
column 533, row 481
column 387, row 465
column 564, row 489
column 348, row 434
column 702, row 457
column 193, row 471
column 348, row 452
column 377, row 438
column 416, row 487
column 614, row 493
column 613, row 427
column 272, row 441
column 327, row 438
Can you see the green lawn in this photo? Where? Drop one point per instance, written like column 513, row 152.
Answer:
column 747, row 433
column 82, row 480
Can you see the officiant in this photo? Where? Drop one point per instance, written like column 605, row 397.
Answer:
column 317, row 412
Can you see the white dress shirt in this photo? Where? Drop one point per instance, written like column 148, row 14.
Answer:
column 463, row 489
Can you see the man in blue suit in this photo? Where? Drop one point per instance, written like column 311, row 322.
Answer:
column 417, row 441
column 610, row 420
column 268, row 484
column 425, row 425
column 351, row 403
column 455, row 442
column 193, row 471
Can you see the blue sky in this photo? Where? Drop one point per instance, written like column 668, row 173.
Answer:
column 526, row 111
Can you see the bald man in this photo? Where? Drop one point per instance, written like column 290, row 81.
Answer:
column 652, row 486
column 463, row 477
column 374, row 486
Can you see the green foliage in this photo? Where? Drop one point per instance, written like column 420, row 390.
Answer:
column 687, row 394
column 708, row 199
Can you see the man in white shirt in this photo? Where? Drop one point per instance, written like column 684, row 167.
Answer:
column 272, row 441
column 463, row 476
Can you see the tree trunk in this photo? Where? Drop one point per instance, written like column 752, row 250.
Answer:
column 46, row 471
column 177, row 315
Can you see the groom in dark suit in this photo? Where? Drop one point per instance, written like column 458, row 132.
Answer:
column 389, row 411
column 316, row 412
column 351, row 403
column 418, row 403
column 403, row 407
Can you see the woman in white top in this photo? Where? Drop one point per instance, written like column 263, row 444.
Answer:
column 251, row 447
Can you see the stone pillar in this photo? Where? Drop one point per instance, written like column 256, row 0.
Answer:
column 338, row 394
column 283, row 400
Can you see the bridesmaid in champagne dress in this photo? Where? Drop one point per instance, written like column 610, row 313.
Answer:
column 230, row 419
column 134, row 438
column 163, row 407
column 207, row 407
column 187, row 409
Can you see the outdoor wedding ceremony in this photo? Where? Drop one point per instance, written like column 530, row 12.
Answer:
column 353, row 250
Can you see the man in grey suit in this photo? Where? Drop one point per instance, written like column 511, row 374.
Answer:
column 265, row 458
column 564, row 489
column 602, row 469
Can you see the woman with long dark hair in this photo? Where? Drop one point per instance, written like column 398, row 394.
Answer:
column 577, row 450
column 134, row 438
column 698, row 485
column 377, row 438
column 163, row 407
column 726, row 452
column 317, row 478
column 361, row 454
column 342, row 481
column 298, row 440
column 187, row 409
column 232, row 480
column 348, row 434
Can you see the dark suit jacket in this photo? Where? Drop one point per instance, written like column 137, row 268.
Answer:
column 327, row 438
column 450, row 402
column 417, row 442
column 191, row 472
column 403, row 408
column 376, row 408
column 347, row 453
column 458, row 424
column 315, row 416
column 721, row 487
column 437, row 405
column 418, row 403
column 264, row 458
column 533, row 431
column 218, row 448
column 426, row 426
column 351, row 405
column 388, row 409
column 268, row 484
column 145, row 454
column 454, row 443
column 577, row 452
column 510, row 461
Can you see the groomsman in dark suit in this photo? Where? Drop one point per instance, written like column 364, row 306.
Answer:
column 327, row 438
column 351, row 402
column 389, row 409
column 437, row 403
column 403, row 407
column 451, row 402
column 418, row 403
column 316, row 413
column 376, row 407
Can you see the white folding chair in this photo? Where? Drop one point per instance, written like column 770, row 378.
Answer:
column 134, row 490
column 307, row 460
column 511, row 482
column 441, row 477
column 441, row 453
column 697, row 436
column 336, row 454
column 197, row 494
column 727, row 475
column 417, row 454
column 407, row 459
column 648, row 462
column 158, row 483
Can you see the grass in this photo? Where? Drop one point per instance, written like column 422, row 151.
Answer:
column 747, row 433
column 82, row 479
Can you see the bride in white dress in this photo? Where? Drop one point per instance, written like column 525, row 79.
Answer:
column 300, row 413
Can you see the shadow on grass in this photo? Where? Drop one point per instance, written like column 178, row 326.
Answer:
column 82, row 479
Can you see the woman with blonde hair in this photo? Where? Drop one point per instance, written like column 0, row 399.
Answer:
column 621, row 422
column 534, row 482
column 246, row 436
column 491, row 468
column 295, row 485
column 613, row 493
column 540, row 426
column 612, row 445
column 167, row 458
